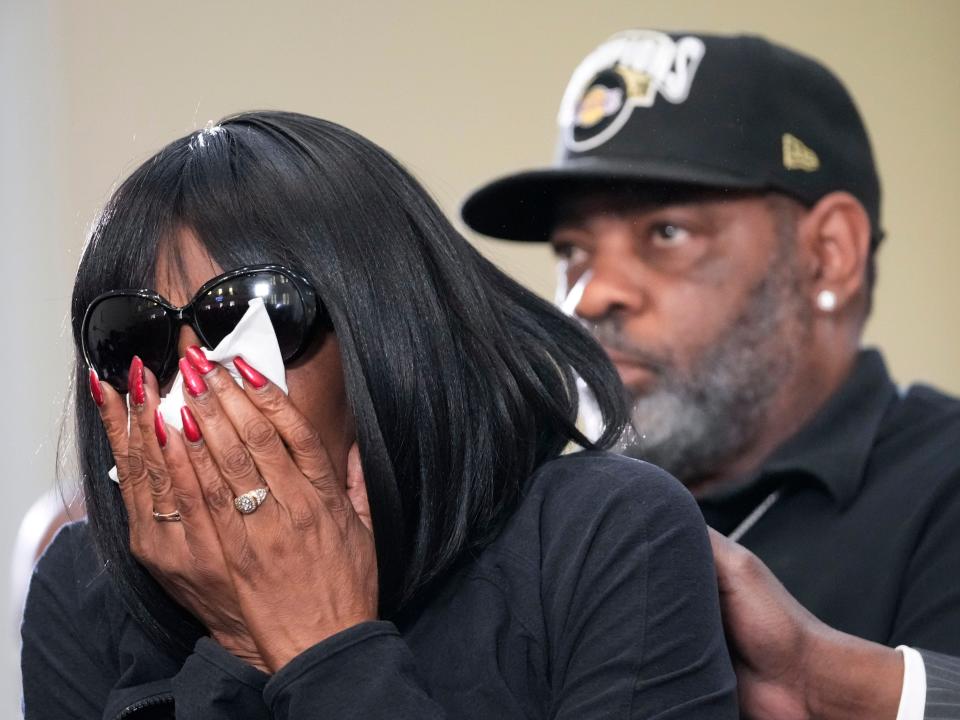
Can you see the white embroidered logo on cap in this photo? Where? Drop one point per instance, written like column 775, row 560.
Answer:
column 629, row 70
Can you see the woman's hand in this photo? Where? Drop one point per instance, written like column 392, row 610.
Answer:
column 184, row 557
column 303, row 564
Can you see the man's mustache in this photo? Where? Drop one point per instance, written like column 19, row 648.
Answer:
column 609, row 333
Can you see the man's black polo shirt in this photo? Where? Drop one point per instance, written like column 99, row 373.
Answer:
column 865, row 532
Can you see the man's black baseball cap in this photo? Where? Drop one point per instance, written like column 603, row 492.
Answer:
column 722, row 112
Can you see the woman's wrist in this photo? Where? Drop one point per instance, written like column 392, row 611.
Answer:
column 284, row 646
column 243, row 649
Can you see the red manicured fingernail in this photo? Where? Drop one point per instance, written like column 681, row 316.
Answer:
column 190, row 427
column 96, row 392
column 192, row 379
column 198, row 359
column 159, row 426
column 135, row 381
column 248, row 373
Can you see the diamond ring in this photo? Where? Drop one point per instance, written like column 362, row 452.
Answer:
column 250, row 500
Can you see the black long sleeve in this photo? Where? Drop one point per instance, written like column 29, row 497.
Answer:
column 596, row 600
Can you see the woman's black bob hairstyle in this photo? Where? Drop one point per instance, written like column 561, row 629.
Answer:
column 461, row 381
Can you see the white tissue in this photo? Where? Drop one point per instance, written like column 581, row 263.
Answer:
column 568, row 300
column 254, row 339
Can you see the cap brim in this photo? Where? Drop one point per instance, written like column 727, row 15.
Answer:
column 523, row 206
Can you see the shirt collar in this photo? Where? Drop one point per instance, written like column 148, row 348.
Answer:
column 835, row 445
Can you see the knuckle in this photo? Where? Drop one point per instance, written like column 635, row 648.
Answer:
column 259, row 435
column 237, row 461
column 113, row 420
column 303, row 518
column 143, row 418
column 178, row 465
column 136, row 467
column 218, row 496
column 115, row 432
column 333, row 499
column 304, row 440
column 272, row 401
column 159, row 479
column 186, row 503
column 200, row 459
column 219, row 379
column 206, row 406
column 159, row 486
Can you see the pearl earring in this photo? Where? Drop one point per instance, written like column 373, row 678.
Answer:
column 827, row 300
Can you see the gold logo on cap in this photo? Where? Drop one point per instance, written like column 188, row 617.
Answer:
column 797, row 156
column 640, row 86
column 599, row 103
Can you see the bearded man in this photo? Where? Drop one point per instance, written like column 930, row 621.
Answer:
column 715, row 212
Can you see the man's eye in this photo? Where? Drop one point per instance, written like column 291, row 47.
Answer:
column 667, row 235
column 570, row 252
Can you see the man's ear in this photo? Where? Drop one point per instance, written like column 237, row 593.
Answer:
column 835, row 236
column 357, row 487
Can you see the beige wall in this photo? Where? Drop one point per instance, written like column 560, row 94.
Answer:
column 464, row 91
column 460, row 92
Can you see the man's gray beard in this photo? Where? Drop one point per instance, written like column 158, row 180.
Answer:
column 694, row 420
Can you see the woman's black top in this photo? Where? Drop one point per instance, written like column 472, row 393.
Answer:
column 596, row 600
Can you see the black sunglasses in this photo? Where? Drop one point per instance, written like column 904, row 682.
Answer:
column 122, row 323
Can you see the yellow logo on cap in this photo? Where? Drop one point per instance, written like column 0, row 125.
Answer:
column 640, row 86
column 599, row 103
column 797, row 156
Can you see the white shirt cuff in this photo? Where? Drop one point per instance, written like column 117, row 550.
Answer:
column 913, row 698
